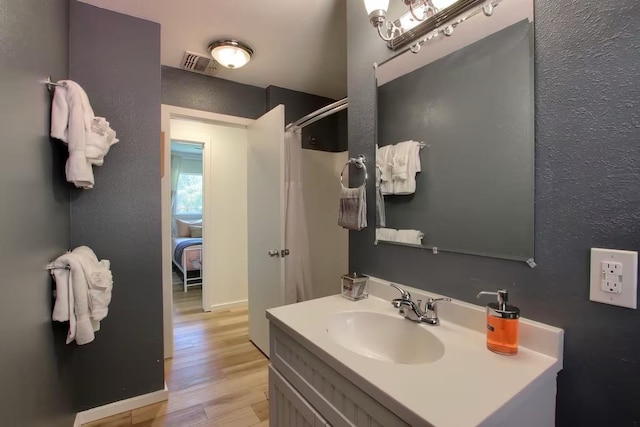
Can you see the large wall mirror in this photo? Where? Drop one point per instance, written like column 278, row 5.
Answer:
column 468, row 99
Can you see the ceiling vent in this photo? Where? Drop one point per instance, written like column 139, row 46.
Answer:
column 197, row 63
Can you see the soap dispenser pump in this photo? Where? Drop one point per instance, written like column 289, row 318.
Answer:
column 502, row 324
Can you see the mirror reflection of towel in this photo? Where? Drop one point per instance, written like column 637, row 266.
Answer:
column 381, row 216
column 386, row 234
column 413, row 237
column 406, row 163
column 352, row 213
column 384, row 157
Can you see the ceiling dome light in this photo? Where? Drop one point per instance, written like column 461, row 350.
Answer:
column 230, row 53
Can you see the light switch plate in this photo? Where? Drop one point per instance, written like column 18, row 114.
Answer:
column 614, row 277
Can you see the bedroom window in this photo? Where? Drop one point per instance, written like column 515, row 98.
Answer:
column 189, row 194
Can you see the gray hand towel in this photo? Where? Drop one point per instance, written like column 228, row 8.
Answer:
column 352, row 213
column 381, row 217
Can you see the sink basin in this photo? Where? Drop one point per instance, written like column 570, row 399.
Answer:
column 386, row 338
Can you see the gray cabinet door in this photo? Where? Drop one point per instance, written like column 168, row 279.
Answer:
column 287, row 408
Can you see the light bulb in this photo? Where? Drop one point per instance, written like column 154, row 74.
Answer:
column 372, row 5
column 230, row 56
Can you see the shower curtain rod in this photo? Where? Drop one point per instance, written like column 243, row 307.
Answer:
column 320, row 114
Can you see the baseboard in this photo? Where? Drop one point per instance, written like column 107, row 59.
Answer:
column 228, row 305
column 120, row 406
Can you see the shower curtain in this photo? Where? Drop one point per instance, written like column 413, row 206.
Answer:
column 298, row 285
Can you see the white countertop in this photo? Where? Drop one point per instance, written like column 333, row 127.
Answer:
column 465, row 387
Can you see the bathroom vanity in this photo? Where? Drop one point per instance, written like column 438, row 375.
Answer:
column 336, row 362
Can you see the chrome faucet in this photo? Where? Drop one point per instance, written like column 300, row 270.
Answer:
column 411, row 310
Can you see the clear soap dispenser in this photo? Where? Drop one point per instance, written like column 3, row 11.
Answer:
column 502, row 324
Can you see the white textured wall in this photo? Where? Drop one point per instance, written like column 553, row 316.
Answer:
column 225, row 227
column 329, row 242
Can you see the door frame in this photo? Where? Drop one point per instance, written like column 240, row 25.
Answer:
column 168, row 112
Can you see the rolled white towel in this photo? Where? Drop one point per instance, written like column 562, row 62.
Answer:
column 386, row 234
column 413, row 237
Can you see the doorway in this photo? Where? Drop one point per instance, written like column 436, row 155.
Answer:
column 187, row 192
column 224, row 223
column 244, row 238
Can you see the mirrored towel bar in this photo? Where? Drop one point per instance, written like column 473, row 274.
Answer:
column 421, row 144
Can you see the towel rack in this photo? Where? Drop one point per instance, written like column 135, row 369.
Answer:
column 50, row 83
column 54, row 266
column 360, row 163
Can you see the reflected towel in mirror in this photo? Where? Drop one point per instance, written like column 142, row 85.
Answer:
column 384, row 156
column 381, row 216
column 386, row 234
column 405, row 165
column 412, row 237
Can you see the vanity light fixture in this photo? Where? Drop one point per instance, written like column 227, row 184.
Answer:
column 424, row 18
column 230, row 53
column 377, row 11
column 419, row 10
column 422, row 9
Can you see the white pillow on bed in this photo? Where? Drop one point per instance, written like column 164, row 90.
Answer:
column 182, row 227
column 196, row 230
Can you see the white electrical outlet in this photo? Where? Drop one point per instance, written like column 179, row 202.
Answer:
column 611, row 277
column 614, row 277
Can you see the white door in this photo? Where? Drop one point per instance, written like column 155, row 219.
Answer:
column 265, row 221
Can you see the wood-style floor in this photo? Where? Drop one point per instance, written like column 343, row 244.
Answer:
column 216, row 377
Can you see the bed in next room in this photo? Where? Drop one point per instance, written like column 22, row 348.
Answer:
column 187, row 251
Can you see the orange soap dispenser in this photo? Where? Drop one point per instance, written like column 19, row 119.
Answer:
column 502, row 324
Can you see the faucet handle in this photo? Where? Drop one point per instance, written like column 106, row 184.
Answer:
column 404, row 295
column 432, row 300
column 431, row 303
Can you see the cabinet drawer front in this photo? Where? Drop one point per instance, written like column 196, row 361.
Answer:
column 287, row 408
column 339, row 401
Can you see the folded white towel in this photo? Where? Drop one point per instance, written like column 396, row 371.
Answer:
column 83, row 293
column 89, row 138
column 72, row 300
column 384, row 157
column 386, row 234
column 71, row 116
column 99, row 281
column 405, row 165
column 64, row 294
column 98, row 146
column 413, row 237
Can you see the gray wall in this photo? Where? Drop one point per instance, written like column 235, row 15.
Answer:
column 116, row 58
column 328, row 134
column 587, row 195
column 199, row 92
column 34, row 209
